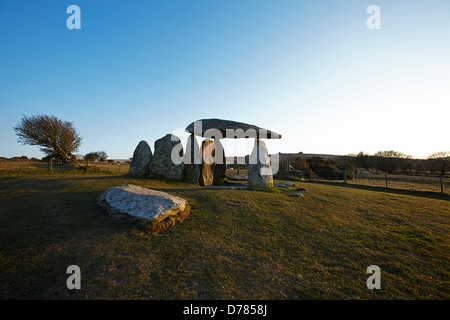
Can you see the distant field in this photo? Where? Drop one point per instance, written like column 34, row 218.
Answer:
column 236, row 244
column 401, row 182
column 405, row 182
column 57, row 166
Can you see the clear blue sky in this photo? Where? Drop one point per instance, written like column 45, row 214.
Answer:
column 310, row 70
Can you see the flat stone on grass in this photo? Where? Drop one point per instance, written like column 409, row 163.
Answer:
column 284, row 184
column 296, row 195
column 153, row 209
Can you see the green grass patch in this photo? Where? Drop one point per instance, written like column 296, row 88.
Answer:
column 235, row 244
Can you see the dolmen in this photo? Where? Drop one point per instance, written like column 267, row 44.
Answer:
column 205, row 164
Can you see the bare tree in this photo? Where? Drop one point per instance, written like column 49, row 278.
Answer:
column 441, row 162
column 57, row 138
column 102, row 156
column 420, row 166
column 91, row 156
column 388, row 161
column 96, row 155
column 363, row 160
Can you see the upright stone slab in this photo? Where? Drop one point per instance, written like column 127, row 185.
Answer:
column 208, row 165
column 259, row 169
column 192, row 160
column 221, row 164
column 142, row 156
column 168, row 158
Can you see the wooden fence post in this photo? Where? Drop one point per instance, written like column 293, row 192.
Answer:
column 87, row 165
column 50, row 165
column 238, row 169
column 385, row 177
column 442, row 185
column 345, row 176
column 119, row 166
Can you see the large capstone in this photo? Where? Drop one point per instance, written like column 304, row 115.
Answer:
column 259, row 169
column 221, row 163
column 219, row 128
column 168, row 158
column 142, row 156
column 141, row 203
column 192, row 160
column 208, row 164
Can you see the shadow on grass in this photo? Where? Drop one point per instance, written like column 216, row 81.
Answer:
column 56, row 173
column 425, row 194
column 89, row 176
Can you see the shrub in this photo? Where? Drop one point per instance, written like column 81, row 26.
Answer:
column 323, row 168
column 91, row 156
column 347, row 169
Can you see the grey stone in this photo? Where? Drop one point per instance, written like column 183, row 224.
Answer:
column 232, row 187
column 141, row 203
column 168, row 158
column 192, row 160
column 296, row 195
column 284, row 184
column 221, row 164
column 237, row 177
column 142, row 156
column 218, row 128
column 259, row 169
column 208, row 164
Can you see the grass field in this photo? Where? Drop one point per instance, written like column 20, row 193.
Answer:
column 395, row 181
column 405, row 182
column 40, row 167
column 236, row 244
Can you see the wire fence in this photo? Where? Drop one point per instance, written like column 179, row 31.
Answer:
column 424, row 182
column 62, row 166
column 429, row 183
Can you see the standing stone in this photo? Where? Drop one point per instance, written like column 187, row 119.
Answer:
column 221, row 164
column 168, row 158
column 259, row 169
column 192, row 160
column 142, row 156
column 208, row 165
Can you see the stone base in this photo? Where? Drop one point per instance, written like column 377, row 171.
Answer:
column 166, row 223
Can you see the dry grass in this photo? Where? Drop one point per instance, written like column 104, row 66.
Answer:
column 404, row 182
column 235, row 244
column 400, row 182
column 39, row 167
